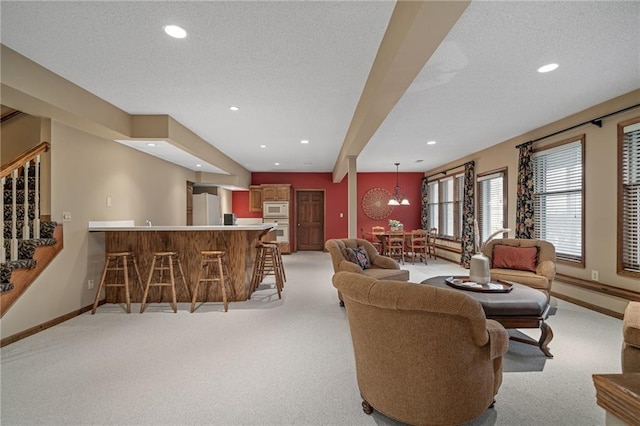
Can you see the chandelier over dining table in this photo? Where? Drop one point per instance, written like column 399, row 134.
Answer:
column 398, row 199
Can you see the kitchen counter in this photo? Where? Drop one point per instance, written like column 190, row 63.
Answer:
column 238, row 241
column 100, row 227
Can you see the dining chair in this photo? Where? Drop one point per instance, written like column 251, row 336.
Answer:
column 418, row 245
column 377, row 242
column 431, row 243
column 374, row 240
column 396, row 245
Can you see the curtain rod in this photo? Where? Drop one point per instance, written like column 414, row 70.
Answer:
column 595, row 121
column 444, row 172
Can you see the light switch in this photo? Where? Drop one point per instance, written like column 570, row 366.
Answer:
column 341, row 214
column 108, row 201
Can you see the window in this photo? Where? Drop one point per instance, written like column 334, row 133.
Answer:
column 445, row 206
column 629, row 202
column 492, row 202
column 446, row 222
column 433, row 204
column 459, row 207
column 558, row 198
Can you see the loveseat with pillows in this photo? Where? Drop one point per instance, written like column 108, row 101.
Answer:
column 525, row 261
column 360, row 256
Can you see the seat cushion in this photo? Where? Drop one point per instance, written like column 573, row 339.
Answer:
column 387, row 274
column 523, row 277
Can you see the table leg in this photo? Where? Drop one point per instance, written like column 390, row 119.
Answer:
column 545, row 338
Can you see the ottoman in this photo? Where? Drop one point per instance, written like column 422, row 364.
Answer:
column 522, row 307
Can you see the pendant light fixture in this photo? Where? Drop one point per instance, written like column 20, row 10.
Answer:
column 397, row 199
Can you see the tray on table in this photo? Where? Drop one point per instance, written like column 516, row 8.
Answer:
column 463, row 283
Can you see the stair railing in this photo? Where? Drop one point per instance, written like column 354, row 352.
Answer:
column 11, row 169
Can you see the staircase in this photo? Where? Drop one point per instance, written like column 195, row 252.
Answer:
column 27, row 243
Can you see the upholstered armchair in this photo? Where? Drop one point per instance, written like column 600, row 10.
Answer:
column 381, row 267
column 537, row 272
column 424, row 355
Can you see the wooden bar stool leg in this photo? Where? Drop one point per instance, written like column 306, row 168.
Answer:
column 231, row 291
column 195, row 289
column 182, row 277
column 146, row 288
column 174, row 301
column 125, row 272
column 138, row 276
column 101, row 285
column 221, row 279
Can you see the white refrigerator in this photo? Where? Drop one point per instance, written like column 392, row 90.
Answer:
column 206, row 209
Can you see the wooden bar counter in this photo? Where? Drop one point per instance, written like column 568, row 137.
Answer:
column 238, row 241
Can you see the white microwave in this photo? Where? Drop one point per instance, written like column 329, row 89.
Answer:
column 275, row 209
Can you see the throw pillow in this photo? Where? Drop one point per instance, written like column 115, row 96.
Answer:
column 349, row 255
column 520, row 258
column 362, row 258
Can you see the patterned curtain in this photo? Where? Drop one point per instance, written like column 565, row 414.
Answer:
column 468, row 215
column 424, row 214
column 524, row 201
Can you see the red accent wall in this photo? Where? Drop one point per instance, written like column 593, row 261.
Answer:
column 336, row 198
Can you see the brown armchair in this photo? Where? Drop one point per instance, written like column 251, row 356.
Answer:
column 631, row 338
column 382, row 267
column 424, row 355
column 545, row 270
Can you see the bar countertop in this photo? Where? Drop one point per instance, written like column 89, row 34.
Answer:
column 99, row 227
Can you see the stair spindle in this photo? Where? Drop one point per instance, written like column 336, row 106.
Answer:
column 25, row 220
column 14, row 217
column 36, row 220
column 3, row 254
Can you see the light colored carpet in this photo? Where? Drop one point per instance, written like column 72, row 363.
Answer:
column 271, row 362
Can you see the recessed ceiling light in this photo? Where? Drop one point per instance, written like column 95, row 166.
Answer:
column 234, row 108
column 304, row 141
column 151, row 144
column 548, row 67
column 263, row 146
column 431, row 143
column 175, row 31
column 277, row 164
column 198, row 165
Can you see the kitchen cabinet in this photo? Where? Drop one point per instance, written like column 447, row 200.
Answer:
column 276, row 192
column 255, row 198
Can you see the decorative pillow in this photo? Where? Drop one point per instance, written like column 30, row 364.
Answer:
column 520, row 258
column 362, row 258
column 349, row 254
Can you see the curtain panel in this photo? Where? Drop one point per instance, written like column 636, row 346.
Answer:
column 524, row 200
column 424, row 213
column 468, row 216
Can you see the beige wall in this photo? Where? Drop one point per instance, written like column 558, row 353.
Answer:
column 85, row 170
column 600, row 193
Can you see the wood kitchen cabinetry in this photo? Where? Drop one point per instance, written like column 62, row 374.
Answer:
column 276, row 192
column 255, row 198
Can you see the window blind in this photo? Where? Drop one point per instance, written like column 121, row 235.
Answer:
column 459, row 204
column 631, row 198
column 490, row 204
column 432, row 203
column 447, row 208
column 558, row 193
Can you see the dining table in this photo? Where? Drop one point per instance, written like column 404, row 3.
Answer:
column 383, row 237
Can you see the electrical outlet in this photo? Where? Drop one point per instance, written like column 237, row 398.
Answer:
column 595, row 275
column 108, row 202
column 66, row 216
column 90, row 284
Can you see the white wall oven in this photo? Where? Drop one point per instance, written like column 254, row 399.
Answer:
column 282, row 229
column 275, row 209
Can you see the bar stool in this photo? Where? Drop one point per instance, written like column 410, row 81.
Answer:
column 279, row 262
column 213, row 269
column 165, row 261
column 266, row 264
column 114, row 265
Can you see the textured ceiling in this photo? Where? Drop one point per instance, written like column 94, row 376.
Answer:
column 297, row 70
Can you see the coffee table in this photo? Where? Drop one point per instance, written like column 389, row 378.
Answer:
column 522, row 307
